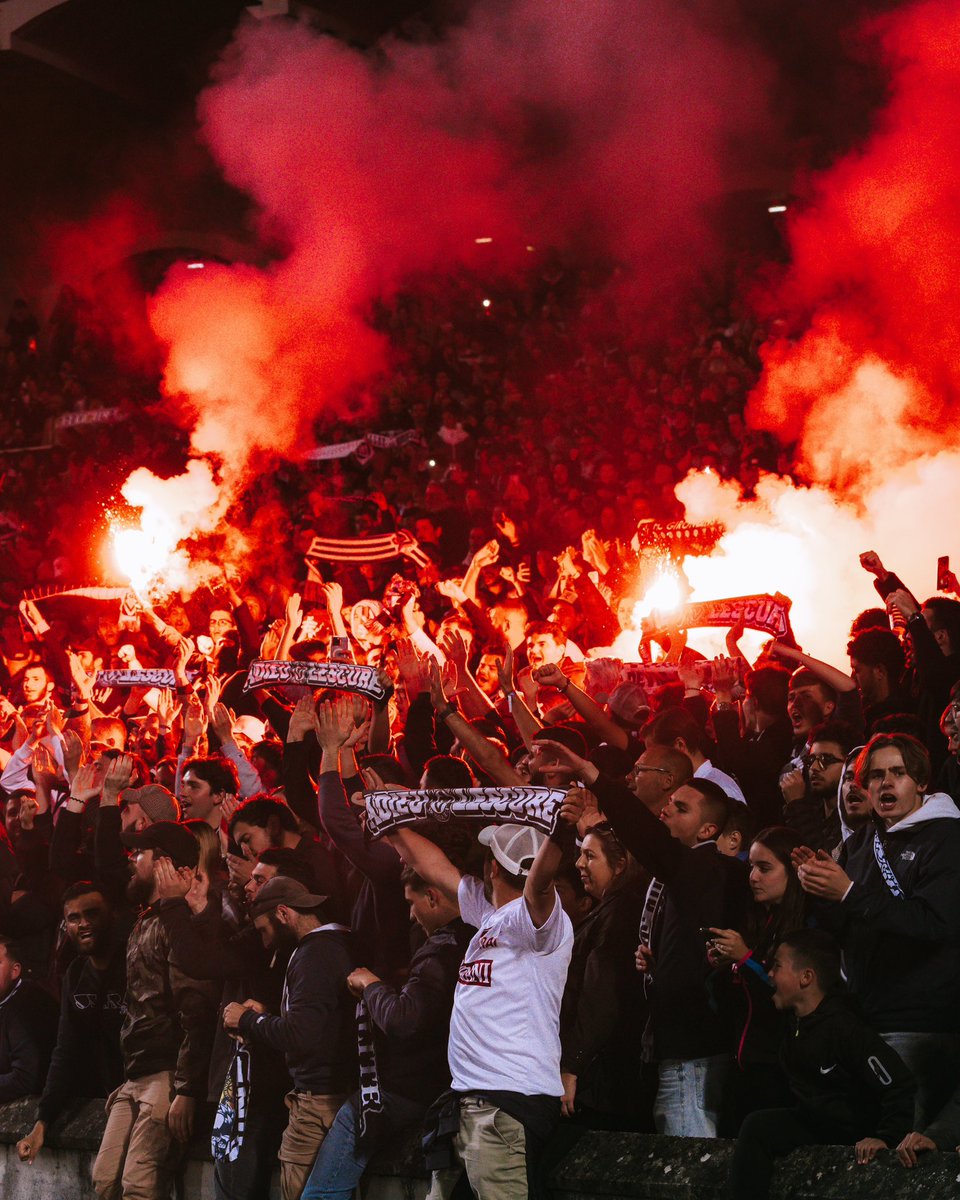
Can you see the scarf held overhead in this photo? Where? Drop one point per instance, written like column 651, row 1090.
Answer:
column 521, row 805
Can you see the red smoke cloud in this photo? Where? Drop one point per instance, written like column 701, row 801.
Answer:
column 874, row 380
column 606, row 125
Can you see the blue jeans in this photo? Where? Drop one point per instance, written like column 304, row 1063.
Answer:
column 340, row 1163
column 689, row 1095
column 934, row 1061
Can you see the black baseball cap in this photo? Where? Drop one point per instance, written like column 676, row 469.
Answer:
column 281, row 889
column 173, row 841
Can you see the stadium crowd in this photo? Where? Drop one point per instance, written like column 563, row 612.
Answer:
column 188, row 870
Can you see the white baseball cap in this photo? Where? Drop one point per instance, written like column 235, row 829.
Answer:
column 513, row 846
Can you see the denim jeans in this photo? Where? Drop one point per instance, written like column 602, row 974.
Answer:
column 340, row 1163
column 934, row 1061
column 689, row 1095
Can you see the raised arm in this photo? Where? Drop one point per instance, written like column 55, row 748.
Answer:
column 525, row 720
column 487, row 757
column 604, row 726
column 539, row 893
column 428, row 860
column 839, row 680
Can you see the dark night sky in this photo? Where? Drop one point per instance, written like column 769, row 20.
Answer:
column 94, row 88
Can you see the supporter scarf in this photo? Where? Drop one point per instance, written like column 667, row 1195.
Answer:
column 142, row 677
column 892, row 882
column 345, row 677
column 88, row 593
column 230, row 1119
column 768, row 614
column 520, row 805
column 648, row 918
column 95, row 416
column 369, row 549
column 371, row 1100
column 364, row 447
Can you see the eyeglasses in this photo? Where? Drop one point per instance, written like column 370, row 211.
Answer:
column 821, row 760
column 637, row 768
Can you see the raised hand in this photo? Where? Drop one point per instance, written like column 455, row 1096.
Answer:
column 333, row 595
column 167, row 708
column 214, row 687
column 550, row 675
column 302, row 718
column 505, row 670
column 901, row 599
column 72, row 753
column 82, row 681
column 194, row 723
column 221, row 721
column 185, row 650
column 870, row 561
column 334, row 723
column 452, row 590
column 88, row 781
column 293, row 613
column 117, row 777
column 487, row 555
column 792, row 786
column 824, row 878
column 557, row 752
column 725, row 675
column 171, row 883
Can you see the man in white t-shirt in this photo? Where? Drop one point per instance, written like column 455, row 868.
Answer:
column 504, row 1048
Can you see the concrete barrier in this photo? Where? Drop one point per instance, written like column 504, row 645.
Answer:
column 602, row 1166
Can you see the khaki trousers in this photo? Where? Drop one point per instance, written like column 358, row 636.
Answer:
column 308, row 1124
column 493, row 1149
column 136, row 1152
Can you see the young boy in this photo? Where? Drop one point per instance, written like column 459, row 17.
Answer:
column 849, row 1086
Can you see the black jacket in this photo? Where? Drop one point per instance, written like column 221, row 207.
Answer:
column 703, row 888
column 315, row 1030
column 411, row 1023
column 28, row 1029
column 845, row 1077
column 381, row 917
column 602, row 1006
column 902, row 955
column 756, row 760
column 86, row 1059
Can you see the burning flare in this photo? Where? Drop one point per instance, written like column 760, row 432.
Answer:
column 149, row 553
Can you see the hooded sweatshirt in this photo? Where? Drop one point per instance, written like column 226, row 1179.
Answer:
column 902, row 952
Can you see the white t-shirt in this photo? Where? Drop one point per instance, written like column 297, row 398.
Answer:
column 707, row 770
column 505, row 1025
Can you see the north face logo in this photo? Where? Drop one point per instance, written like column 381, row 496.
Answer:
column 476, row 974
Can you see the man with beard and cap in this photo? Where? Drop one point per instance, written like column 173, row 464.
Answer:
column 315, row 1029
column 893, row 902
column 166, row 1035
column 86, row 1059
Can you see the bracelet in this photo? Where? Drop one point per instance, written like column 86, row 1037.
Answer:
column 447, row 711
column 565, row 689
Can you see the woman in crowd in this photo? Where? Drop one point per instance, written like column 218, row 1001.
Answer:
column 742, row 982
column 601, row 1015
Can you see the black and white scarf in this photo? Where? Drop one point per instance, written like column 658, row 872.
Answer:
column 538, row 807
column 345, row 677
column 889, row 878
column 371, row 1099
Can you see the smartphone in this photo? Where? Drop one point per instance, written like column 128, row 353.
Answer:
column 944, row 574
column 340, row 650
